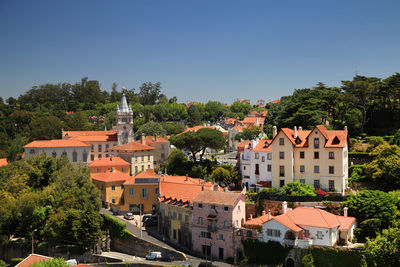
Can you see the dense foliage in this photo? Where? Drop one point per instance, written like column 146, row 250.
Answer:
column 52, row 196
column 384, row 249
column 270, row 253
column 58, row 262
column 298, row 189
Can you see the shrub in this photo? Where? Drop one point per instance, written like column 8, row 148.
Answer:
column 298, row 189
column 308, row 260
column 359, row 155
column 332, row 257
column 258, row 252
column 116, row 227
column 2, row 263
column 368, row 228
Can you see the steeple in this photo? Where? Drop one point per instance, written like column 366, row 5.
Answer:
column 123, row 107
column 124, row 120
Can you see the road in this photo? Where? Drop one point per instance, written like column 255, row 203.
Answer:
column 131, row 227
column 229, row 158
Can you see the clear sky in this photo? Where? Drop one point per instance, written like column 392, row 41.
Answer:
column 198, row 50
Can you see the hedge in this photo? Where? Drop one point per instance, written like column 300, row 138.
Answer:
column 279, row 197
column 257, row 252
column 116, row 227
column 360, row 155
column 332, row 257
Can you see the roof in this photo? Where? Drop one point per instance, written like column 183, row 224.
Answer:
column 148, row 174
column 152, row 139
column 184, row 192
column 263, row 146
column 258, row 221
column 239, row 128
column 31, row 259
column 111, row 176
column 3, row 162
column 123, row 107
column 253, row 120
column 108, row 162
column 219, row 198
column 313, row 217
column 91, row 136
column 196, row 128
column 131, row 147
column 56, row 143
column 244, row 144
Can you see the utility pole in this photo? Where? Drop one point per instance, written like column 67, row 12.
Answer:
column 140, row 212
column 33, row 242
column 233, row 245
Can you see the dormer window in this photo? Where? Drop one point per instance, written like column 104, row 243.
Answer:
column 335, row 141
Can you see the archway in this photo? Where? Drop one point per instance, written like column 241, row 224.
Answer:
column 289, row 262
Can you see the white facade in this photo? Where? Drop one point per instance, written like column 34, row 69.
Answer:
column 74, row 154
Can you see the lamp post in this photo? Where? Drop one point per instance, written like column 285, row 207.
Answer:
column 33, row 246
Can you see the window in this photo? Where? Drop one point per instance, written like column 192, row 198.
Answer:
column 244, row 167
column 74, row 156
column 99, row 156
column 257, row 156
column 92, row 157
column 162, row 156
column 84, row 156
column 142, row 158
column 316, row 155
column 227, row 224
column 205, row 235
column 331, row 155
column 226, row 208
column 64, row 154
column 249, row 234
column 156, row 191
column 319, row 235
column 269, row 156
column 148, row 166
column 107, row 146
column 257, row 172
column 316, row 184
column 186, row 219
column 136, row 169
column 144, row 192
column 269, row 167
column 282, row 171
column 148, row 158
column 135, row 158
column 331, row 185
column 302, row 181
column 180, row 216
column 316, row 142
column 142, row 167
column 113, row 201
column 92, row 148
column 213, row 207
column 331, row 169
column 220, row 236
column 302, row 169
column 281, row 155
column 54, row 154
column 200, row 205
column 122, row 187
column 113, row 188
column 281, row 141
column 174, row 234
column 131, row 191
column 162, row 147
column 273, row 233
column 98, row 170
column 100, row 148
column 281, row 183
column 101, row 187
column 302, row 154
column 263, row 159
column 316, row 169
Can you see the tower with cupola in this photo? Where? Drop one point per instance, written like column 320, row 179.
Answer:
column 124, row 121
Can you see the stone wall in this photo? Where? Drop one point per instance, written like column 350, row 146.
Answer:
column 139, row 247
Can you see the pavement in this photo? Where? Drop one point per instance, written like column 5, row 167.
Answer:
column 131, row 227
column 229, row 158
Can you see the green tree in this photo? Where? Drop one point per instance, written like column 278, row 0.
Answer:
column 308, row 260
column 46, row 128
column 172, row 128
column 369, row 228
column 298, row 189
column 386, row 164
column 221, row 175
column 151, row 129
column 384, row 249
column 369, row 204
column 250, row 133
column 177, row 163
column 210, row 138
column 149, row 93
column 58, row 262
column 78, row 122
column 189, row 141
column 22, row 119
column 194, row 114
column 16, row 148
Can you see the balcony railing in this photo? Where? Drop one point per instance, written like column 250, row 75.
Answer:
column 212, row 228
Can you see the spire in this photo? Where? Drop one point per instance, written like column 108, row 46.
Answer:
column 123, row 107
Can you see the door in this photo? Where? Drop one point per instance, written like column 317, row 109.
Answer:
column 221, row 253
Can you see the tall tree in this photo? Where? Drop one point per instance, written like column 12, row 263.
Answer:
column 149, row 93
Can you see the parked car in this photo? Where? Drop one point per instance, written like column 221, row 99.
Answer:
column 153, row 256
column 151, row 221
column 129, row 216
column 167, row 258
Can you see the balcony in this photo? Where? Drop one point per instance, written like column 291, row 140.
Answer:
column 212, row 228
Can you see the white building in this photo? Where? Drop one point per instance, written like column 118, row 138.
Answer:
column 76, row 151
column 256, row 164
column 303, row 227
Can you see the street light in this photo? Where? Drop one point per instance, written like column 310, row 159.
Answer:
column 33, row 233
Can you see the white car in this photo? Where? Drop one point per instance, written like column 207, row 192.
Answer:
column 153, row 256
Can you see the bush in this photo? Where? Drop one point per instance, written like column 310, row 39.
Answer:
column 2, row 263
column 368, row 228
column 15, row 261
column 331, row 257
column 116, row 227
column 258, row 252
column 359, row 155
column 298, row 189
column 357, row 173
column 308, row 260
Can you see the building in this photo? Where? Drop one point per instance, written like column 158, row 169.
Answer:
column 124, row 121
column 75, row 151
column 304, row 227
column 256, row 164
column 32, row 259
column 141, row 193
column 105, row 164
column 3, row 162
column 216, row 217
column 232, row 142
column 318, row 157
column 243, row 100
column 161, row 149
column 111, row 186
column 100, row 141
column 254, row 122
column 139, row 156
column 260, row 103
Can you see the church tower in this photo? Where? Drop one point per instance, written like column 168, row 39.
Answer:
column 124, row 121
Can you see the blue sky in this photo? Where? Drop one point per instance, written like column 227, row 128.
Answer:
column 198, row 50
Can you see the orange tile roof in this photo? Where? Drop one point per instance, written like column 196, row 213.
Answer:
column 196, row 128
column 56, row 143
column 152, row 139
column 131, row 147
column 257, row 221
column 253, row 120
column 183, row 180
column 31, row 259
column 244, row 144
column 149, row 173
column 108, row 162
column 91, row 136
column 313, row 217
column 111, row 176
column 219, row 198
column 3, row 162
column 263, row 146
column 179, row 191
column 264, row 113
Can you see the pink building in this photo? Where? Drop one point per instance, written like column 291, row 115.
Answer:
column 216, row 216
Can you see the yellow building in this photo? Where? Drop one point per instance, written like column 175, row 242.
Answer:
column 161, row 149
column 318, row 157
column 105, row 164
column 111, row 186
column 140, row 157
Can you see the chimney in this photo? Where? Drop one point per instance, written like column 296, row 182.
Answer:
column 274, row 131
column 345, row 128
column 143, row 139
column 226, row 189
column 216, row 187
column 269, row 214
column 202, row 187
column 112, row 169
column 251, row 216
column 345, row 210
column 187, row 178
column 163, row 178
column 253, row 143
column 263, row 213
column 284, row 207
column 300, row 128
column 295, row 132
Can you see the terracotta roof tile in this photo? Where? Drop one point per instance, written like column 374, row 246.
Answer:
column 31, row 259
column 219, row 198
column 263, row 146
column 111, row 176
column 56, row 143
column 131, row 147
column 108, row 162
column 244, row 144
column 257, row 221
column 3, row 162
column 149, row 173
